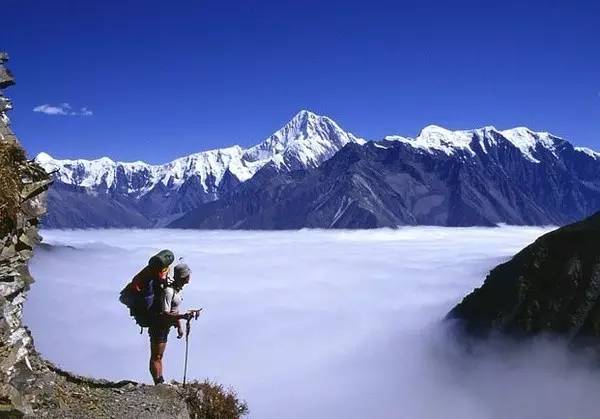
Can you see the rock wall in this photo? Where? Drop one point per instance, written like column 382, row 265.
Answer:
column 31, row 386
column 26, row 187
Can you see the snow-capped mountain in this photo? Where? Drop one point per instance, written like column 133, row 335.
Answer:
column 138, row 178
column 304, row 142
column 483, row 176
column 161, row 192
column 311, row 173
column 434, row 138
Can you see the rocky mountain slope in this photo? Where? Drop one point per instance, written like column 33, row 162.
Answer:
column 104, row 193
column 551, row 286
column 450, row 178
column 32, row 387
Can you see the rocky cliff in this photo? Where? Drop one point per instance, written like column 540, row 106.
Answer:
column 552, row 286
column 31, row 386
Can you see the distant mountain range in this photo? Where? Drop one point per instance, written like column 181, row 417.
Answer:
column 105, row 193
column 312, row 173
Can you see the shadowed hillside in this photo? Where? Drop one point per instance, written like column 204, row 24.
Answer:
column 551, row 286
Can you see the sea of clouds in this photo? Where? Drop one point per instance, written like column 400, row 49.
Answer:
column 310, row 324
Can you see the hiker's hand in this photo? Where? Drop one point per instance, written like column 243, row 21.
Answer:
column 179, row 332
column 194, row 313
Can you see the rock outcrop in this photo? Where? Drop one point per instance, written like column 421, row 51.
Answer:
column 552, row 286
column 31, row 386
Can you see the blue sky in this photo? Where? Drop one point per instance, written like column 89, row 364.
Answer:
column 165, row 79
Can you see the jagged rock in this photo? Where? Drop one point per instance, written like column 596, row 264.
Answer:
column 5, row 104
column 7, row 252
column 33, row 189
column 551, row 286
column 34, row 208
column 25, row 243
column 6, row 78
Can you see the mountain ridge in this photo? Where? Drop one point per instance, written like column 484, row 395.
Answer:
column 162, row 192
column 393, row 183
column 302, row 128
column 136, row 194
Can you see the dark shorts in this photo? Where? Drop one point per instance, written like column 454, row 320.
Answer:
column 159, row 331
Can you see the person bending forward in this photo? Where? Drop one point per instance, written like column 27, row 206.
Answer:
column 168, row 316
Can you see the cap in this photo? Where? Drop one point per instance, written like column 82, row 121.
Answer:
column 181, row 270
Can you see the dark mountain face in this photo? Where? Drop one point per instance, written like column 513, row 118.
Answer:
column 74, row 208
column 392, row 183
column 551, row 286
column 162, row 202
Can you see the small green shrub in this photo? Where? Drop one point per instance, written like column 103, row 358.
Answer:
column 209, row 400
column 11, row 155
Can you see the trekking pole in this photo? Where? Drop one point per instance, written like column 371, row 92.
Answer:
column 188, row 322
column 187, row 334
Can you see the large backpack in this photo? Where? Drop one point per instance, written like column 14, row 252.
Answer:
column 141, row 294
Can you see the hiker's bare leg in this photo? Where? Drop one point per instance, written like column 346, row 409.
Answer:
column 156, row 354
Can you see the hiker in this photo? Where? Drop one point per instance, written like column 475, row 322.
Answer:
column 167, row 316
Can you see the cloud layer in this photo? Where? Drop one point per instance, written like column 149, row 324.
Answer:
column 63, row 109
column 310, row 324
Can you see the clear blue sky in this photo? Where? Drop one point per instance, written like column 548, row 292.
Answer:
column 164, row 79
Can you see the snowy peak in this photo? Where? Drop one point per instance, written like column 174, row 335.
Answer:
column 42, row 158
column 211, row 163
column 137, row 178
column 434, row 138
column 305, row 141
column 527, row 141
column 85, row 173
column 593, row 154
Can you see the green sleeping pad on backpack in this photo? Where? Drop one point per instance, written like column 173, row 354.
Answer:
column 162, row 259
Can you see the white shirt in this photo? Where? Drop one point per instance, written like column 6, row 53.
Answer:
column 171, row 300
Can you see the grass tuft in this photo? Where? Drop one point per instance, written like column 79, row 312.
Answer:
column 209, row 400
column 11, row 156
